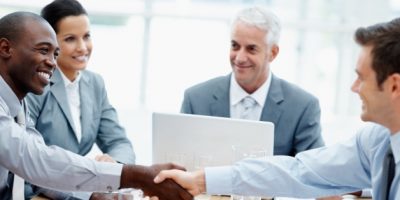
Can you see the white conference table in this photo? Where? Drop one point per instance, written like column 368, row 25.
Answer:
column 206, row 197
column 345, row 197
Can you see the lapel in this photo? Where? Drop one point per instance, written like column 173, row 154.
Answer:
column 272, row 111
column 85, row 91
column 60, row 94
column 219, row 106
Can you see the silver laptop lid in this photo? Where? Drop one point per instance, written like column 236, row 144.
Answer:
column 198, row 141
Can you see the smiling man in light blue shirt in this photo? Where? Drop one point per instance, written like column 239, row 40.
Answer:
column 28, row 49
column 345, row 167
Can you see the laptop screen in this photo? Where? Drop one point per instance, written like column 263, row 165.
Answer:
column 197, row 141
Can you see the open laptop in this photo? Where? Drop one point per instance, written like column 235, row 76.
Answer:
column 197, row 141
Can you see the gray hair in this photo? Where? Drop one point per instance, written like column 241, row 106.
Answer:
column 262, row 19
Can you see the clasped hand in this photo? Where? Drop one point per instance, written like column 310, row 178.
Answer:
column 142, row 177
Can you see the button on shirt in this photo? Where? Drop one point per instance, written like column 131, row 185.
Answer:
column 337, row 169
column 23, row 152
column 237, row 94
column 74, row 103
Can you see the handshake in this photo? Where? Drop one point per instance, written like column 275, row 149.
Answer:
column 163, row 181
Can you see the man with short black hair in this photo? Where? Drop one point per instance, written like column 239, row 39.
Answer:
column 28, row 49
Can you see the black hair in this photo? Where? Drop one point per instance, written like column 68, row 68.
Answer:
column 59, row 9
column 13, row 24
column 385, row 41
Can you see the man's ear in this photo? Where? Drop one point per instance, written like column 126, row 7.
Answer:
column 5, row 48
column 274, row 52
column 395, row 85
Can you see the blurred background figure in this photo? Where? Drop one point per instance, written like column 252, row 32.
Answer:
column 253, row 92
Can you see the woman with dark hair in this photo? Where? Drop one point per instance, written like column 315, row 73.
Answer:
column 74, row 112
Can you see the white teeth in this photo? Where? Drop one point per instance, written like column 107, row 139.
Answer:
column 44, row 75
column 81, row 58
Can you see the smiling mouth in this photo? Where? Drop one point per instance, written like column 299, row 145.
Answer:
column 45, row 77
column 242, row 66
column 81, row 58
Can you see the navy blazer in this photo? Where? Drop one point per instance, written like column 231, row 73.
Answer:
column 294, row 112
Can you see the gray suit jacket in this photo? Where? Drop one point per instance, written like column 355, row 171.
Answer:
column 294, row 112
column 51, row 114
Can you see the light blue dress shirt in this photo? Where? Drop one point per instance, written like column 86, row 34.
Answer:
column 23, row 152
column 337, row 169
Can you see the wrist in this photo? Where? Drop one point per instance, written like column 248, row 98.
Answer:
column 133, row 176
column 200, row 180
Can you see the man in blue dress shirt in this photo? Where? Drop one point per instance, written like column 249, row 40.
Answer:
column 28, row 48
column 370, row 159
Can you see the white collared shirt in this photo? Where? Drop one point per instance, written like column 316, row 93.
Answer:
column 237, row 93
column 74, row 102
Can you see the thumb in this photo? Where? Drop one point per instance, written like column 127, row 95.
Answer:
column 159, row 178
column 164, row 174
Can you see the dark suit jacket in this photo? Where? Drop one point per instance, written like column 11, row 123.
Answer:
column 294, row 112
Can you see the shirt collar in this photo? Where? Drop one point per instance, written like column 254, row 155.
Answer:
column 395, row 144
column 67, row 82
column 238, row 93
column 12, row 101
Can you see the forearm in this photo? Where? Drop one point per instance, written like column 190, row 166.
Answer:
column 82, row 174
column 53, row 194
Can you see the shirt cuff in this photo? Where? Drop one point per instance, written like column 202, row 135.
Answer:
column 219, row 180
column 366, row 192
column 108, row 178
column 82, row 195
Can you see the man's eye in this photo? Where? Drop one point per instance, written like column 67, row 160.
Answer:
column 252, row 49
column 43, row 51
column 234, row 46
column 87, row 36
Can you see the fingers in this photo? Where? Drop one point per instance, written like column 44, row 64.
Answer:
column 104, row 158
column 166, row 174
column 184, row 179
column 179, row 192
column 176, row 166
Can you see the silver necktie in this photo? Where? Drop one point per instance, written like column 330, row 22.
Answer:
column 248, row 104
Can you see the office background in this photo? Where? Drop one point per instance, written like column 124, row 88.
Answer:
column 149, row 51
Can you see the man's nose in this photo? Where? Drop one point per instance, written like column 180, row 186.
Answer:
column 241, row 56
column 355, row 86
column 51, row 62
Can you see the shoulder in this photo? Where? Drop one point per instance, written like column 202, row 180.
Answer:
column 372, row 135
column 33, row 99
column 92, row 78
column 293, row 92
column 92, row 75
